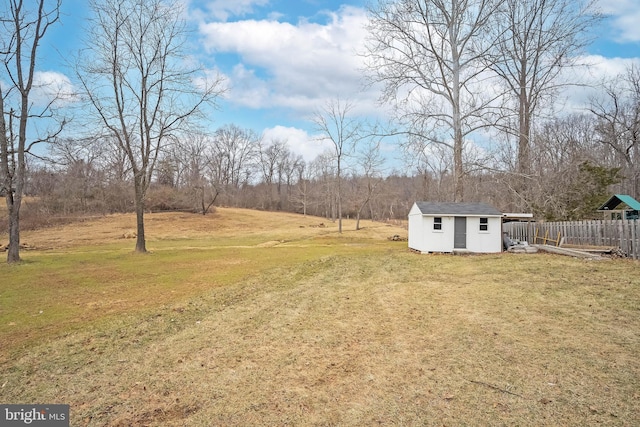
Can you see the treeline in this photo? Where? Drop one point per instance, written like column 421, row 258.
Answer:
column 576, row 163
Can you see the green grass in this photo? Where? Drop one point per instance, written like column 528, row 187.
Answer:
column 321, row 330
column 50, row 292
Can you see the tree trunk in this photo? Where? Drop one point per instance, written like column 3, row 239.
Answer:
column 7, row 183
column 458, row 171
column 458, row 138
column 141, row 246
column 524, row 119
column 339, row 196
column 14, row 182
column 339, row 212
column 359, row 213
column 524, row 161
column 13, row 206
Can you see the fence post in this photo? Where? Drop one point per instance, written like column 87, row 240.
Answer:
column 634, row 239
column 624, row 234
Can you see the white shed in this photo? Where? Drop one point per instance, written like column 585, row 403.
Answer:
column 453, row 227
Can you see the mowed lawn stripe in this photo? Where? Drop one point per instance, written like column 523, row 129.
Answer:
column 351, row 330
column 49, row 293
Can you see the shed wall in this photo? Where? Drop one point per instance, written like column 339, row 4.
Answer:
column 423, row 237
column 417, row 235
column 489, row 241
column 440, row 240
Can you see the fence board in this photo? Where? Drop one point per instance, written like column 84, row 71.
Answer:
column 634, row 239
column 624, row 234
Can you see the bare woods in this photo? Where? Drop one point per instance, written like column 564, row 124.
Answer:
column 577, row 162
column 475, row 114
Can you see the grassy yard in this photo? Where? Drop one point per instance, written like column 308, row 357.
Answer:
column 250, row 318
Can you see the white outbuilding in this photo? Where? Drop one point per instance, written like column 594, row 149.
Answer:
column 455, row 227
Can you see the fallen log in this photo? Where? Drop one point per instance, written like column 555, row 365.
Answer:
column 569, row 252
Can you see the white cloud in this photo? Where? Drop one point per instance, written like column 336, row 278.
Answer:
column 297, row 66
column 52, row 87
column 600, row 66
column 298, row 140
column 624, row 15
column 628, row 25
column 301, row 66
column 212, row 79
column 246, row 89
column 597, row 69
column 222, row 10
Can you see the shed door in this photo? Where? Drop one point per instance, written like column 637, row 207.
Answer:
column 460, row 233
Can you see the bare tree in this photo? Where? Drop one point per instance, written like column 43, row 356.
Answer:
column 192, row 155
column 233, row 156
column 618, row 125
column 135, row 79
column 300, row 197
column 81, row 174
column 323, row 171
column 370, row 163
column 568, row 172
column 289, row 168
column 23, row 29
column 535, row 41
column 437, row 172
column 431, row 57
column 336, row 125
column 272, row 155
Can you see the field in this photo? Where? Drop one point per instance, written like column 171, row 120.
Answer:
column 246, row 318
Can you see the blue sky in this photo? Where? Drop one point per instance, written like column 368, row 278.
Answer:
column 283, row 59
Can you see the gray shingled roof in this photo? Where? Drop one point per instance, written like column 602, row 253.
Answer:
column 457, row 209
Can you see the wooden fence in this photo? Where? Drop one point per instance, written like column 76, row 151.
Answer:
column 623, row 234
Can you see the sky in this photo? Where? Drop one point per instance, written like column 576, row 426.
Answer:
column 284, row 59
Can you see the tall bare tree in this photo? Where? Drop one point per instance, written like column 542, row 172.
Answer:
column 137, row 81
column 535, row 41
column 336, row 125
column 430, row 55
column 618, row 124
column 23, row 27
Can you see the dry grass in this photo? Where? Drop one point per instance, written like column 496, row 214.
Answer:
column 345, row 330
column 84, row 272
column 220, row 228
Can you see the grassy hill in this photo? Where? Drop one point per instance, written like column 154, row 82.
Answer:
column 255, row 318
